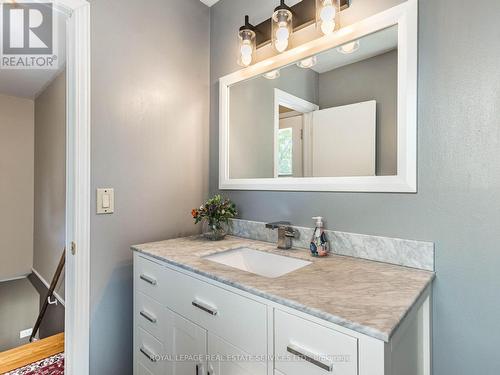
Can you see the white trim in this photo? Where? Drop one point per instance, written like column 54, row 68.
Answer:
column 290, row 114
column 405, row 16
column 77, row 275
column 14, row 278
column 425, row 322
column 290, row 101
column 47, row 285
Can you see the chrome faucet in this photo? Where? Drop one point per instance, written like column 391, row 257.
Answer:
column 285, row 233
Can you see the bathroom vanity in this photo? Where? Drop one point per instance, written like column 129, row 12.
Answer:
column 195, row 314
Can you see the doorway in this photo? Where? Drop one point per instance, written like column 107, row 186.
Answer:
column 74, row 234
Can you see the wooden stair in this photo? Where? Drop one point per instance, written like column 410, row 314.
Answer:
column 31, row 353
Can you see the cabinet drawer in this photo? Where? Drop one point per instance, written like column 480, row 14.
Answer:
column 141, row 370
column 149, row 352
column 304, row 347
column 150, row 315
column 147, row 277
column 239, row 320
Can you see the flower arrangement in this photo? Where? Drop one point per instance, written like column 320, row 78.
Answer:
column 215, row 213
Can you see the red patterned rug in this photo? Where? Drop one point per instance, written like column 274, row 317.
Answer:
column 49, row 366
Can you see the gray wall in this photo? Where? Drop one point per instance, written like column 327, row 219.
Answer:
column 18, row 314
column 16, row 186
column 252, row 119
column 150, row 108
column 50, row 180
column 457, row 204
column 372, row 79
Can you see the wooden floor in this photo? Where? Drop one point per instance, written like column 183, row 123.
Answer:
column 30, row 353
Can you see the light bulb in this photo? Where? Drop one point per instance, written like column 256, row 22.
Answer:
column 328, row 27
column 281, row 28
column 349, row 47
column 246, row 60
column 246, row 38
column 246, row 49
column 328, row 13
column 281, row 45
column 282, row 33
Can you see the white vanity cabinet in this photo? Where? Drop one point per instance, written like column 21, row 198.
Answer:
column 186, row 324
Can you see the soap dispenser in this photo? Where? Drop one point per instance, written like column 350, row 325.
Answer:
column 319, row 243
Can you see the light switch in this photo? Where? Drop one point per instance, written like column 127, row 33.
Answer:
column 105, row 201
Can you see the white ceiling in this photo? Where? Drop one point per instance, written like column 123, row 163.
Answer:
column 209, row 2
column 29, row 83
column 370, row 46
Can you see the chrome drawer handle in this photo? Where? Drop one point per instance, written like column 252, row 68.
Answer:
column 203, row 306
column 148, row 317
column 148, row 354
column 309, row 357
column 148, row 279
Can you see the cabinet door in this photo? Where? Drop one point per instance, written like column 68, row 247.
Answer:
column 226, row 359
column 186, row 346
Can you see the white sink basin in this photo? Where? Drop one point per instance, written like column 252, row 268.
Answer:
column 258, row 262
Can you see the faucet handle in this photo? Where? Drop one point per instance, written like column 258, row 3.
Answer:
column 290, row 232
column 278, row 224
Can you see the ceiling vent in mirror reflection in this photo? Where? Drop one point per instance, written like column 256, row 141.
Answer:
column 272, row 75
column 308, row 63
column 349, row 48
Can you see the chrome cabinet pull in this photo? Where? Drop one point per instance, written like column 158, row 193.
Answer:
column 148, row 317
column 203, row 306
column 309, row 357
column 148, row 354
column 199, row 369
column 148, row 279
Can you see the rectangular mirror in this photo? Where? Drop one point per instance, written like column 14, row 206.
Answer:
column 340, row 119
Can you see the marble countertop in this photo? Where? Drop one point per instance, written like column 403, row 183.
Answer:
column 366, row 296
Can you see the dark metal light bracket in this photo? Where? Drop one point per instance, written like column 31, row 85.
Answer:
column 304, row 14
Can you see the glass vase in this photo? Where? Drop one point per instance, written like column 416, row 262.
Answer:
column 214, row 232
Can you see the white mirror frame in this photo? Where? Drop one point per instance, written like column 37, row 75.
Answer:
column 405, row 16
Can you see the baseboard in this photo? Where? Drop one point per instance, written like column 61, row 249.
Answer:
column 14, row 278
column 47, row 285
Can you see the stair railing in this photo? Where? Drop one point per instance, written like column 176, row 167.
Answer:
column 50, row 293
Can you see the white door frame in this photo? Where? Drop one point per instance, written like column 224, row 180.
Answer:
column 282, row 98
column 77, row 275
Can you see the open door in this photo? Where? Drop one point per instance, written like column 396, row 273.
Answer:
column 343, row 141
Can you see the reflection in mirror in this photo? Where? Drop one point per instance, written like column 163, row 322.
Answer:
column 330, row 115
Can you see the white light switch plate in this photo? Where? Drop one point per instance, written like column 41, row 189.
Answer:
column 25, row 333
column 105, row 201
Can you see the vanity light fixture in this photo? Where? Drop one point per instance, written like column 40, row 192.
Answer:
column 327, row 15
column 272, row 74
column 278, row 29
column 246, row 38
column 349, row 48
column 308, row 63
column 282, row 27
